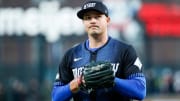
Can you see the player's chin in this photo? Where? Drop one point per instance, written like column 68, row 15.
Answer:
column 94, row 35
column 94, row 32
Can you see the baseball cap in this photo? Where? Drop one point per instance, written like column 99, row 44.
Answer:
column 92, row 5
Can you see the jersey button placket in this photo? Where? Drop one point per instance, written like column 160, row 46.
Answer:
column 93, row 56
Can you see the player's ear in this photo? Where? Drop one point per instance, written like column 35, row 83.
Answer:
column 108, row 20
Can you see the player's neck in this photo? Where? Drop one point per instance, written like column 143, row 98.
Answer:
column 97, row 41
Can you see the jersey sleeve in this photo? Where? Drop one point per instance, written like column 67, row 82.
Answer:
column 131, row 63
column 65, row 74
column 134, row 86
column 61, row 88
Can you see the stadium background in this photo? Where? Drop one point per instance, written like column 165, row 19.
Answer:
column 34, row 34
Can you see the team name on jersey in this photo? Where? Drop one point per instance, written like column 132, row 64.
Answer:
column 78, row 71
column 89, row 5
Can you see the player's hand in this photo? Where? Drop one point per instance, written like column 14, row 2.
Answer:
column 75, row 84
column 98, row 75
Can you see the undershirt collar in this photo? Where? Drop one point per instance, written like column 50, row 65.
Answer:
column 93, row 49
column 90, row 49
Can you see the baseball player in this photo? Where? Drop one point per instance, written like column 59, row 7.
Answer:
column 79, row 77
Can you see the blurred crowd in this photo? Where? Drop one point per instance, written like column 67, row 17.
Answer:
column 163, row 81
column 17, row 90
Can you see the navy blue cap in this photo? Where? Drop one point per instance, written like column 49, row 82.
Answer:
column 92, row 5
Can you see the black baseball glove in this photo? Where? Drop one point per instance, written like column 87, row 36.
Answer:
column 98, row 75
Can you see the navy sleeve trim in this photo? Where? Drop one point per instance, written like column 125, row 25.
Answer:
column 58, row 83
column 136, row 75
